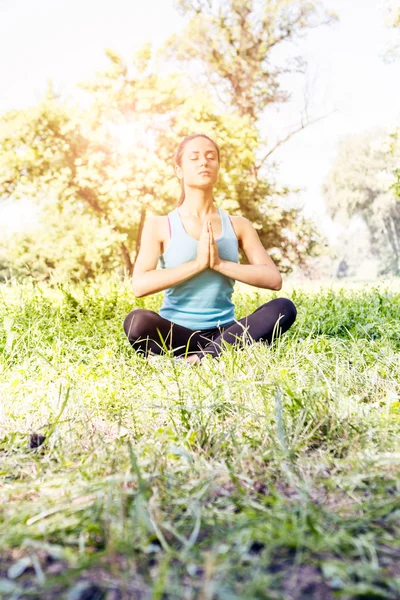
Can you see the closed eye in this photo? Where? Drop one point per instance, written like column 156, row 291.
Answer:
column 209, row 158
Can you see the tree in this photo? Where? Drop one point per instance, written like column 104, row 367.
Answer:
column 113, row 162
column 233, row 43
column 390, row 145
column 230, row 46
column 68, row 245
column 360, row 183
column 56, row 150
column 392, row 52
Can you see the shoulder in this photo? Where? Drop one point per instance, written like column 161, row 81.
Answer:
column 237, row 220
column 156, row 223
column 240, row 225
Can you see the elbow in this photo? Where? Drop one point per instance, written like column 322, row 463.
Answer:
column 136, row 285
column 139, row 293
column 279, row 282
column 274, row 279
column 136, row 291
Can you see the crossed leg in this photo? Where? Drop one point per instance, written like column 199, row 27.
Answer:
column 148, row 332
column 268, row 322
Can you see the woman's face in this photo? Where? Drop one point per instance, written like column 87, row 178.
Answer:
column 199, row 155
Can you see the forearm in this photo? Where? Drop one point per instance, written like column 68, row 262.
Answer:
column 262, row 276
column 157, row 280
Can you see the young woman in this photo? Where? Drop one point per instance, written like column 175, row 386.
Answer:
column 200, row 263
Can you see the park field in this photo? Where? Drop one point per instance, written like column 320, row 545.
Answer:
column 270, row 473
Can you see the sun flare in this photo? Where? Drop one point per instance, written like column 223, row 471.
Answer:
column 129, row 135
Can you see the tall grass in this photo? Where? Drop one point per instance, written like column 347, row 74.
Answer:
column 272, row 472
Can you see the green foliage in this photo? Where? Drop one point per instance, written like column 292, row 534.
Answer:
column 393, row 21
column 111, row 163
column 66, row 246
column 391, row 146
column 392, row 143
column 272, row 468
column 234, row 40
column 361, row 182
column 231, row 45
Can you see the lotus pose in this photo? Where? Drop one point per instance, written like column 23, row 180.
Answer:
column 197, row 246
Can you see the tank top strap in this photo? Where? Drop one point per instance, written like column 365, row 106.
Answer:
column 228, row 227
column 224, row 218
column 174, row 223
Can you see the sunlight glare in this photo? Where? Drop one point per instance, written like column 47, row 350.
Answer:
column 129, row 135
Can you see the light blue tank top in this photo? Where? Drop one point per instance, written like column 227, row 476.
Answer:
column 205, row 300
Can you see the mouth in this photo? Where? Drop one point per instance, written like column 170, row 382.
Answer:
column 205, row 173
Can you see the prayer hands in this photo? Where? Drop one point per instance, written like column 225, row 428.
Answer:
column 207, row 249
column 215, row 260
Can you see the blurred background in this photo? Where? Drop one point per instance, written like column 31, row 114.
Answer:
column 300, row 96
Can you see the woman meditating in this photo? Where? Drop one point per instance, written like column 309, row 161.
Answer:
column 200, row 263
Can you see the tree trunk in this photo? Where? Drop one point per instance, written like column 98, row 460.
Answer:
column 127, row 259
column 139, row 235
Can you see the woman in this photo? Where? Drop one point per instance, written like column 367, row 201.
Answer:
column 200, row 263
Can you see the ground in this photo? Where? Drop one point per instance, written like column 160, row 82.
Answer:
column 272, row 472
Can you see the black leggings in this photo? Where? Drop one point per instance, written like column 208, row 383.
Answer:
column 143, row 328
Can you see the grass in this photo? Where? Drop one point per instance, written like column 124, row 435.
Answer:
column 271, row 473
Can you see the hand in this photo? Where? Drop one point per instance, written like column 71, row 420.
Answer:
column 215, row 260
column 203, row 248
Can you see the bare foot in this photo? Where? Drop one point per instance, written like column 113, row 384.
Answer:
column 193, row 359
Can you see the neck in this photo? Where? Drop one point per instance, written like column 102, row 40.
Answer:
column 198, row 204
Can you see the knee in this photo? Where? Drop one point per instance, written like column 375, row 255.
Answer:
column 283, row 307
column 287, row 308
column 138, row 323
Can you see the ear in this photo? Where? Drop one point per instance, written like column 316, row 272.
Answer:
column 178, row 171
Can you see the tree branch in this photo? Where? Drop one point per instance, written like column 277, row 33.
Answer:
column 291, row 134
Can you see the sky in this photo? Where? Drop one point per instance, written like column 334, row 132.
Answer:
column 347, row 80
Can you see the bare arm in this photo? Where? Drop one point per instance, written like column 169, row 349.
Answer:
column 262, row 276
column 147, row 279
column 262, row 271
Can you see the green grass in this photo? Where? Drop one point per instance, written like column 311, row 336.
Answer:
column 271, row 473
